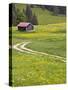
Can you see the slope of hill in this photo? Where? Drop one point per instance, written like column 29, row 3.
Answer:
column 44, row 16
column 48, row 37
column 37, row 69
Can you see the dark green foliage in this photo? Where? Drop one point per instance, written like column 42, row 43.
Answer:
column 62, row 10
column 20, row 16
column 23, row 15
column 34, row 20
column 56, row 10
column 28, row 13
column 17, row 15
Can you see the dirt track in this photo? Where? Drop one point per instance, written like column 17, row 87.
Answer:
column 22, row 48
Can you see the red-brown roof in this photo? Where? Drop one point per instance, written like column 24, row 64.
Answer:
column 23, row 24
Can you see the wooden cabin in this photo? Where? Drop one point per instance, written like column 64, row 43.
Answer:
column 25, row 26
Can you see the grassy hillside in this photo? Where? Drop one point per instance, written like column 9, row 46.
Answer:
column 28, row 69
column 43, row 16
column 48, row 37
column 31, row 70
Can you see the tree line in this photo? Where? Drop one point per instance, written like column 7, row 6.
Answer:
column 26, row 15
column 55, row 9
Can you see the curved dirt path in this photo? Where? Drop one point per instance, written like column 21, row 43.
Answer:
column 22, row 48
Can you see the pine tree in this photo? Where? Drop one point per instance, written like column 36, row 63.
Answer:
column 56, row 10
column 34, row 20
column 28, row 13
column 20, row 16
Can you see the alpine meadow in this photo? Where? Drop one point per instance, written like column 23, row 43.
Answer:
column 38, row 56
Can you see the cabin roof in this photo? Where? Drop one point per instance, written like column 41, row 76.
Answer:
column 23, row 24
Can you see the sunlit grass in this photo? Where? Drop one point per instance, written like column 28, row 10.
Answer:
column 37, row 69
column 28, row 69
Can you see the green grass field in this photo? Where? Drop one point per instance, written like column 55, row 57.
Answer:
column 28, row 69
column 49, row 37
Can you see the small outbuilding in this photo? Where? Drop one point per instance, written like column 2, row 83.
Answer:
column 25, row 26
